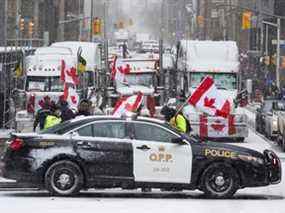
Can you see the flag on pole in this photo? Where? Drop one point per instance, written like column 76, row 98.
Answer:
column 81, row 67
column 70, row 95
column 19, row 69
column 68, row 74
column 127, row 104
column 120, row 70
column 207, row 99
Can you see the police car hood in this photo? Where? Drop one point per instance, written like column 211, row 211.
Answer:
column 232, row 148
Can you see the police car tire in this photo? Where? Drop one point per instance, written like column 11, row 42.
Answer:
column 67, row 168
column 232, row 177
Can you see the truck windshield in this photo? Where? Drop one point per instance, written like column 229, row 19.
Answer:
column 44, row 84
column 140, row 79
column 227, row 81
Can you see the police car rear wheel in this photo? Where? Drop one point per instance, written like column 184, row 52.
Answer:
column 64, row 178
column 219, row 180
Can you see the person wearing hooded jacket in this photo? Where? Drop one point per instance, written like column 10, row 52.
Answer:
column 176, row 120
column 66, row 112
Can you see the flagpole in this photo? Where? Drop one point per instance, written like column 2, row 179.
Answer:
column 182, row 106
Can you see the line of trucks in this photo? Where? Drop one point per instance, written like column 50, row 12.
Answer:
column 189, row 62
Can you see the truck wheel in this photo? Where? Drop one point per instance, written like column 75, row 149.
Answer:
column 64, row 178
column 257, row 127
column 219, row 180
column 283, row 142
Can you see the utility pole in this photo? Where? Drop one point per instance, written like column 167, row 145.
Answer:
column 80, row 21
column 91, row 21
column 61, row 18
column 278, row 55
column 278, row 26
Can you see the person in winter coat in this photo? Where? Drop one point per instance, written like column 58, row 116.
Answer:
column 42, row 113
column 84, row 108
column 52, row 119
column 66, row 112
column 176, row 120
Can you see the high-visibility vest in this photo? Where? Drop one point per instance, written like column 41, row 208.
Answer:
column 179, row 123
column 51, row 120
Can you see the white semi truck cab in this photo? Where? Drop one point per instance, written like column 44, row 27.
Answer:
column 220, row 60
column 42, row 78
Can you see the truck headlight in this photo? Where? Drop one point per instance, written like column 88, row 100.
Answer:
column 274, row 124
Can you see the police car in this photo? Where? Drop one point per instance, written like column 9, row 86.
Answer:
column 108, row 152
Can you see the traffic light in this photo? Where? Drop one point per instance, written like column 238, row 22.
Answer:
column 246, row 20
column 97, row 26
column 282, row 64
column 31, row 28
column 200, row 20
column 22, row 24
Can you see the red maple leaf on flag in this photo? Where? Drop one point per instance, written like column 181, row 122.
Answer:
column 218, row 126
column 209, row 102
column 73, row 99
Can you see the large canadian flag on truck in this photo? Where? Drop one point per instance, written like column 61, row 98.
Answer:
column 208, row 99
column 120, row 70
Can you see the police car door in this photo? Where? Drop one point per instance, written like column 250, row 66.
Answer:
column 156, row 158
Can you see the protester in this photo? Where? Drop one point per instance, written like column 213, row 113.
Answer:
column 53, row 118
column 84, row 108
column 66, row 112
column 42, row 113
column 176, row 119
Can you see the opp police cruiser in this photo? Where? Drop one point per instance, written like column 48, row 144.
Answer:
column 108, row 152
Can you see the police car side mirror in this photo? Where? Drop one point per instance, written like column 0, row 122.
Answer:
column 178, row 141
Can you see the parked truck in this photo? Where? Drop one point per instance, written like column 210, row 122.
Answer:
column 143, row 77
column 218, row 59
column 41, row 78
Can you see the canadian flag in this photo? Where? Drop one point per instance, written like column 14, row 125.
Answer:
column 219, row 127
column 127, row 104
column 68, row 74
column 150, row 103
column 207, row 99
column 70, row 95
column 119, row 70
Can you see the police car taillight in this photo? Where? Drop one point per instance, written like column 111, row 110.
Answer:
column 16, row 144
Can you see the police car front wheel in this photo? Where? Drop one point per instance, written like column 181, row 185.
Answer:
column 64, row 178
column 219, row 180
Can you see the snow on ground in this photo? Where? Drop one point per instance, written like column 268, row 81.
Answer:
column 264, row 199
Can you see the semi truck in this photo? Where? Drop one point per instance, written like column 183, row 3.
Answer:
column 141, row 78
column 42, row 72
column 220, row 60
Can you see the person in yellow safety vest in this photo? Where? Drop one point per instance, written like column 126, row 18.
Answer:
column 52, row 119
column 179, row 122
